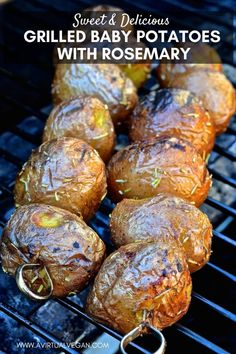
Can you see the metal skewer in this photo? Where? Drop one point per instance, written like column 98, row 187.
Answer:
column 143, row 328
column 25, row 288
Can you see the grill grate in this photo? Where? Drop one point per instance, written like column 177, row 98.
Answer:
column 208, row 326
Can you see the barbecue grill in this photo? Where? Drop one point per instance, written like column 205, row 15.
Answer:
column 25, row 100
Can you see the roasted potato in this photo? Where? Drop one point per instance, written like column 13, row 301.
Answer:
column 137, row 72
column 105, row 81
column 141, row 276
column 164, row 217
column 86, row 118
column 214, row 90
column 41, row 234
column 202, row 56
column 165, row 164
column 67, row 173
column 173, row 112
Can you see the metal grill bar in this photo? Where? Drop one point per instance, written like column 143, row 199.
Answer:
column 228, row 180
column 231, row 131
column 9, row 311
column 200, row 339
column 24, row 107
column 221, row 206
column 214, row 306
column 184, row 330
column 223, row 272
column 19, row 78
column 221, row 151
column 224, row 238
column 80, row 311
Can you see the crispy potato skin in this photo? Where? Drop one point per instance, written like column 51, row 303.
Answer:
column 67, row 173
column 202, row 56
column 214, row 90
column 164, row 217
column 104, row 81
column 166, row 164
column 141, row 276
column 86, row 118
column 137, row 72
column 173, row 112
column 56, row 238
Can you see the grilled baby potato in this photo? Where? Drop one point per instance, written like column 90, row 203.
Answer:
column 173, row 112
column 137, row 72
column 67, row 173
column 104, row 81
column 166, row 164
column 202, row 56
column 40, row 234
column 141, row 276
column 214, row 90
column 164, row 217
column 86, row 118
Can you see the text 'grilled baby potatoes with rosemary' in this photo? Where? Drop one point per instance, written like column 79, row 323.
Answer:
column 173, row 112
column 67, row 173
column 164, row 217
column 165, row 164
column 138, row 278
column 86, row 118
column 53, row 238
column 215, row 91
column 105, row 81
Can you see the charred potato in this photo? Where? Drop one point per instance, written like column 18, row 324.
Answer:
column 103, row 81
column 173, row 112
column 55, row 238
column 141, row 276
column 214, row 90
column 166, row 164
column 137, row 72
column 86, row 118
column 164, row 217
column 202, row 56
column 67, row 173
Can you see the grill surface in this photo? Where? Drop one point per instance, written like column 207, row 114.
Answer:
column 208, row 326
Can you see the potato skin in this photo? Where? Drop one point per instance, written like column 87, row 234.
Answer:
column 71, row 251
column 214, row 90
column 104, row 81
column 137, row 72
column 86, row 118
column 173, row 112
column 165, row 164
column 141, row 276
column 164, row 217
column 67, row 173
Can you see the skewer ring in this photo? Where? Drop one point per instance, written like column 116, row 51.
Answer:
column 137, row 332
column 24, row 287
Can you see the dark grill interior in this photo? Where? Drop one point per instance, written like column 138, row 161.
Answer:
column 25, row 102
